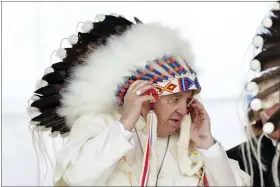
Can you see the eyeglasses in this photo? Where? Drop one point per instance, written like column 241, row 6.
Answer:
column 189, row 101
column 174, row 100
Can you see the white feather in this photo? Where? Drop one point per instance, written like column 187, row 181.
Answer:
column 42, row 84
column 87, row 26
column 255, row 65
column 267, row 22
column 32, row 110
column 256, row 104
column 104, row 69
column 276, row 6
column 100, row 17
column 61, row 53
column 73, row 39
column 48, row 70
column 114, row 14
column 257, row 41
column 34, row 123
column 268, row 128
column 35, row 98
column 252, row 87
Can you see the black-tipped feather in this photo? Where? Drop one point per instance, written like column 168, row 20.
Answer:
column 44, row 116
column 102, row 30
column 47, row 102
column 276, row 13
column 50, row 98
column 269, row 55
column 275, row 21
column 137, row 20
column 87, row 37
column 55, row 121
column 274, row 31
column 74, row 53
column 49, row 90
column 61, row 128
column 61, row 66
column 55, row 77
column 114, row 21
column 267, row 76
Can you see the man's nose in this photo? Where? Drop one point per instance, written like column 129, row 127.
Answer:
column 182, row 108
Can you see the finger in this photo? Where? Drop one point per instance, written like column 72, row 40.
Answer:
column 197, row 105
column 131, row 89
column 197, row 102
column 145, row 88
column 200, row 107
column 144, row 98
column 134, row 84
column 142, row 84
column 194, row 114
column 202, row 113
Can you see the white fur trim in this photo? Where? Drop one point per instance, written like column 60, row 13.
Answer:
column 104, row 69
column 268, row 128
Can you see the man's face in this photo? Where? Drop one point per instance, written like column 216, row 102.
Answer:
column 265, row 115
column 170, row 111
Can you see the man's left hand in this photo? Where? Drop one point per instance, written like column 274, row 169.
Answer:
column 201, row 127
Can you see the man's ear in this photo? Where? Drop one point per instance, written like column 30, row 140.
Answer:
column 145, row 109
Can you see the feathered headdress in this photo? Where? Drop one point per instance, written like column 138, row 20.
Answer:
column 264, row 93
column 266, row 86
column 94, row 75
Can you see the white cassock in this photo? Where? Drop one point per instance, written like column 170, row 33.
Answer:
column 100, row 152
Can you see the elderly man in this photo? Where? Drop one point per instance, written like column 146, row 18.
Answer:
column 128, row 97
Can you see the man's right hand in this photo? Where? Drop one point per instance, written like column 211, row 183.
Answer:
column 133, row 101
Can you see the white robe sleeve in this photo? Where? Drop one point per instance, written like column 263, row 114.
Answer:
column 87, row 159
column 220, row 170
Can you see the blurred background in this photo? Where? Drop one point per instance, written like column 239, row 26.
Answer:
column 221, row 34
